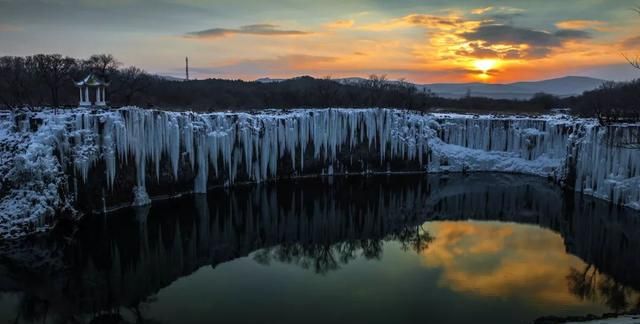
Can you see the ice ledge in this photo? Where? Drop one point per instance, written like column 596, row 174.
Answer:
column 624, row 319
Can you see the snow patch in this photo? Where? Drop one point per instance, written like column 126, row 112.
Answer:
column 140, row 197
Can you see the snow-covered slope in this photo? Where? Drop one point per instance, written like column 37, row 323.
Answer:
column 98, row 160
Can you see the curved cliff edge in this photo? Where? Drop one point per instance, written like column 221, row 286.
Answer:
column 77, row 161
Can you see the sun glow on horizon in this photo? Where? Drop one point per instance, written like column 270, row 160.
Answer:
column 421, row 42
column 485, row 65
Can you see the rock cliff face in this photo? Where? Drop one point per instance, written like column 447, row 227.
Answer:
column 95, row 160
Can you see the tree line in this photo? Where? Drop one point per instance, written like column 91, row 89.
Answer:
column 47, row 80
column 611, row 99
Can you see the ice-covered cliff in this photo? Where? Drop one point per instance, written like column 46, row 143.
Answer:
column 101, row 159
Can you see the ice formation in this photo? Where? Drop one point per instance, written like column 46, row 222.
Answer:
column 30, row 176
column 59, row 154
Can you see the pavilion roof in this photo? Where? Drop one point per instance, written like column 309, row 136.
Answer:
column 92, row 81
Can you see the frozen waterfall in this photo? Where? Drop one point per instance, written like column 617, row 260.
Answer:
column 126, row 156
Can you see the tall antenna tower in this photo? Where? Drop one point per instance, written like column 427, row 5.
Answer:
column 186, row 61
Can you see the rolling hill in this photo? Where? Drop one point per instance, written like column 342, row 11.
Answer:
column 562, row 87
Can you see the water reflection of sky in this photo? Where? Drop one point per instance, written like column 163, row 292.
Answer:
column 504, row 260
column 488, row 272
column 355, row 250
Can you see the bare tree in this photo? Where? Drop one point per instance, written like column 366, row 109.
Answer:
column 378, row 82
column 327, row 91
column 53, row 70
column 583, row 284
column 131, row 81
column 414, row 237
column 635, row 61
column 16, row 81
column 101, row 64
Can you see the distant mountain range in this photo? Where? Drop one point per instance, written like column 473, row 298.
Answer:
column 563, row 87
column 168, row 77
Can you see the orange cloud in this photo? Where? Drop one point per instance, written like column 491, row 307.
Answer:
column 583, row 24
column 257, row 30
column 342, row 23
column 480, row 11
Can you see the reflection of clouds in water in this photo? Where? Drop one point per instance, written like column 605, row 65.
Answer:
column 502, row 259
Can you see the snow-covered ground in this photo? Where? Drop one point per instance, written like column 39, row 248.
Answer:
column 625, row 319
column 30, row 173
column 47, row 156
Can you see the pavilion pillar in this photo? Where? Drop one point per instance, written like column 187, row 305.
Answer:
column 84, row 96
column 100, row 96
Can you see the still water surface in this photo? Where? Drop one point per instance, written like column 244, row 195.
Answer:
column 485, row 248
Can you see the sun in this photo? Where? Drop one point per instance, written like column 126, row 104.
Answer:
column 485, row 65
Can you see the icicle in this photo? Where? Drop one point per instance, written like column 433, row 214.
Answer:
column 257, row 143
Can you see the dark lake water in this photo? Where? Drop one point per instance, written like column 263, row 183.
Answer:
column 483, row 248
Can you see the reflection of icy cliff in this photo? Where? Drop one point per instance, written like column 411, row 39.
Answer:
column 124, row 258
column 104, row 159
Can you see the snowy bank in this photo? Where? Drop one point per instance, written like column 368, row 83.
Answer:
column 97, row 160
column 624, row 319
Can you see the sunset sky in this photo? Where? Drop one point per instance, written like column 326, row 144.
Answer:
column 419, row 40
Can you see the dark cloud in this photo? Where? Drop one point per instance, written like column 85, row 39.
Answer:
column 633, row 42
column 511, row 54
column 507, row 34
column 505, row 18
column 257, row 29
column 536, row 52
column 572, row 34
column 96, row 15
column 540, row 43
